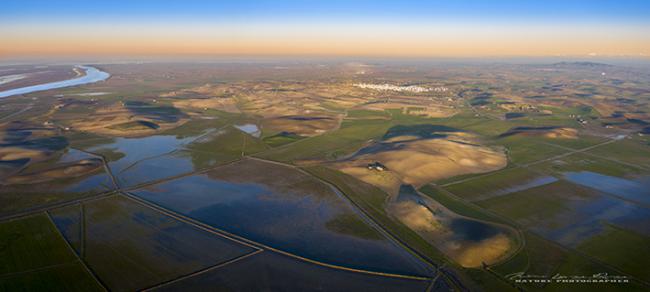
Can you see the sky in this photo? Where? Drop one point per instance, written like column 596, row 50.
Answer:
column 408, row 28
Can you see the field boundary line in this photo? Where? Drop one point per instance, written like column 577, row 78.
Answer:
column 603, row 193
column 360, row 211
column 204, row 270
column 433, row 282
column 17, row 113
column 134, row 164
column 44, row 268
column 523, row 165
column 45, row 208
column 82, row 232
column 175, row 177
column 258, row 245
column 186, row 220
column 561, row 246
column 106, row 167
column 514, row 229
column 107, row 193
column 81, row 261
column 601, row 157
column 507, row 224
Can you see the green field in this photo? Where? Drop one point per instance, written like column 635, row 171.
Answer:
column 522, row 149
column 537, row 204
column 367, row 114
column 281, row 139
column 227, row 144
column 628, row 150
column 330, row 145
column 494, row 184
column 581, row 142
column 622, row 249
column 350, row 224
column 584, row 162
column 34, row 256
column 460, row 207
column 543, row 257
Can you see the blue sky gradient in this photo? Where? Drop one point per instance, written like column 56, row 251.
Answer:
column 412, row 27
column 500, row 10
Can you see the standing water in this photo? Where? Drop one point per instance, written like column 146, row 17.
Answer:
column 92, row 75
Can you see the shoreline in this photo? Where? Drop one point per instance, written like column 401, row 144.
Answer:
column 87, row 75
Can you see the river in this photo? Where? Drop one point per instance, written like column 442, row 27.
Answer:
column 92, row 75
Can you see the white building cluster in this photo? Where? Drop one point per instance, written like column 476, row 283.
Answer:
column 439, row 89
column 410, row 88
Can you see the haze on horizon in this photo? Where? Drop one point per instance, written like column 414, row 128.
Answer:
column 36, row 28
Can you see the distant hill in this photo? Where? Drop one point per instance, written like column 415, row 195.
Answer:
column 582, row 64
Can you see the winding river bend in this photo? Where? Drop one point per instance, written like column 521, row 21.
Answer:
column 92, row 75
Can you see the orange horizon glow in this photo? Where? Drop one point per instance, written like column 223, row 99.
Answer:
column 412, row 40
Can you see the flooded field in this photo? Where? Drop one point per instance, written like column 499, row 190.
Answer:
column 127, row 151
column 276, row 272
column 226, row 143
column 120, row 238
column 250, row 129
column 637, row 190
column 590, row 218
column 138, row 160
column 69, row 222
column 46, row 186
column 285, row 209
column 539, row 181
column 287, row 176
column 568, row 213
column 160, row 167
column 185, row 155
